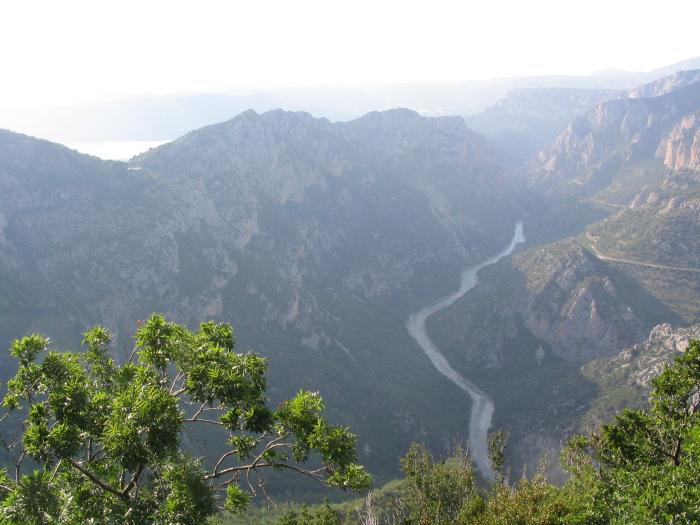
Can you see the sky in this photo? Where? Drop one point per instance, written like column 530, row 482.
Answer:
column 62, row 52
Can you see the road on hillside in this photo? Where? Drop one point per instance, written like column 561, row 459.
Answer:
column 603, row 257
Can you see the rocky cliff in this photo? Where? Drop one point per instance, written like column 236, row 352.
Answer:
column 561, row 295
column 639, row 364
column 586, row 156
column 624, row 380
column 680, row 149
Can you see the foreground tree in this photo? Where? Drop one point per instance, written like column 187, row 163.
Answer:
column 322, row 515
column 441, row 493
column 645, row 466
column 104, row 440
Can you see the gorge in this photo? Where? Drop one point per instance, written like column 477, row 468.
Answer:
column 482, row 407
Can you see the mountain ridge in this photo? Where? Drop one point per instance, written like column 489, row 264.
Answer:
column 314, row 245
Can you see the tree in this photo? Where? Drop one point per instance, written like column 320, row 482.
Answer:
column 644, row 467
column 440, row 493
column 105, row 440
column 323, row 515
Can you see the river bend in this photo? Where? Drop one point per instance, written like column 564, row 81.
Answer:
column 482, row 404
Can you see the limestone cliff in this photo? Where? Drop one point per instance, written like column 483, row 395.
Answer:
column 566, row 299
column 585, row 157
column 680, row 149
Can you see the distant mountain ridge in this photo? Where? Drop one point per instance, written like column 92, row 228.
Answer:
column 666, row 85
column 528, row 120
column 161, row 118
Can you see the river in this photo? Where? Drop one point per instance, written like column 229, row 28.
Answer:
column 482, row 404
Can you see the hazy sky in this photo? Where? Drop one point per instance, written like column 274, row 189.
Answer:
column 72, row 50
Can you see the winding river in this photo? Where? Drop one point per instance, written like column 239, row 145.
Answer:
column 482, row 404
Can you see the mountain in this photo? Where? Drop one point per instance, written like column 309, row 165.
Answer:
column 528, row 120
column 525, row 330
column 315, row 239
column 594, row 147
column 318, row 239
column 612, row 253
column 633, row 79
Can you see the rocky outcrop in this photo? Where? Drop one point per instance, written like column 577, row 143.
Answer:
column 639, row 364
column 680, row 149
column 626, row 379
column 574, row 306
column 562, row 296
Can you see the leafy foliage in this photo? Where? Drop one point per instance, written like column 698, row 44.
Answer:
column 645, row 466
column 106, row 439
column 440, row 493
column 642, row 468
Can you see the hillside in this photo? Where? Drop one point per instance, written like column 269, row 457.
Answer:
column 314, row 239
column 625, row 379
column 588, row 285
column 529, row 325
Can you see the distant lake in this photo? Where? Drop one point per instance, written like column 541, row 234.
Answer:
column 116, row 150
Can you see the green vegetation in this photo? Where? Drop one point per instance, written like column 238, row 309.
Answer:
column 102, row 442
column 641, row 468
column 646, row 464
column 662, row 229
column 630, row 180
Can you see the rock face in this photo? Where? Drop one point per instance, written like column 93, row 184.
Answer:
column 575, row 307
column 344, row 193
column 523, row 333
column 642, row 362
column 625, row 380
column 680, row 149
column 562, row 295
column 585, row 156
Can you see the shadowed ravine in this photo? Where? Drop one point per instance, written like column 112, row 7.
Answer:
column 482, row 404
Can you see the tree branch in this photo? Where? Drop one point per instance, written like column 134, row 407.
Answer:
column 313, row 474
column 210, row 421
column 178, row 376
column 97, row 481
column 134, row 481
